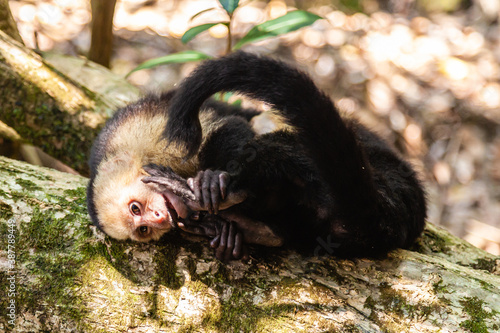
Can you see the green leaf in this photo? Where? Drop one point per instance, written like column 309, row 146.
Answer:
column 229, row 5
column 174, row 58
column 290, row 22
column 193, row 32
column 237, row 103
column 225, row 96
column 201, row 12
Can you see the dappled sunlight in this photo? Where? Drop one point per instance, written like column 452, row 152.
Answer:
column 489, row 95
column 429, row 83
column 218, row 31
column 276, row 8
column 483, row 236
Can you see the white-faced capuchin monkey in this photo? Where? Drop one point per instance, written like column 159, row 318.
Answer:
column 178, row 160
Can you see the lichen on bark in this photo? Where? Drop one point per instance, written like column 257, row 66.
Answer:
column 50, row 108
column 70, row 277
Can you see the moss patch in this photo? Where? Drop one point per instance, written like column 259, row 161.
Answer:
column 473, row 306
column 76, row 199
column 432, row 242
column 28, row 185
column 395, row 301
column 48, row 249
column 485, row 264
column 5, row 211
column 165, row 261
column 239, row 314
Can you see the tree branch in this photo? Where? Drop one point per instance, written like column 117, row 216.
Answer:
column 69, row 277
column 59, row 113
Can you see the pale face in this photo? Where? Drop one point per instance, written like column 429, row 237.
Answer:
column 147, row 212
column 139, row 213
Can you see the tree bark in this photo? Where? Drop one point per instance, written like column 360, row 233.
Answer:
column 59, row 110
column 7, row 22
column 58, row 273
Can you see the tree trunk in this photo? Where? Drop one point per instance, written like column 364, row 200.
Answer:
column 59, row 110
column 101, row 44
column 58, row 273
column 7, row 22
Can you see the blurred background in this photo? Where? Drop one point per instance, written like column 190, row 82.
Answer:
column 425, row 74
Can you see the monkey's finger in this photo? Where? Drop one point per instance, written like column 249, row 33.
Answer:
column 209, row 230
column 205, row 187
column 215, row 194
column 221, row 249
column 194, row 184
column 202, row 227
column 215, row 242
column 246, row 255
column 194, row 216
column 177, row 187
column 223, row 183
column 190, row 182
column 238, row 246
column 192, row 230
column 230, row 242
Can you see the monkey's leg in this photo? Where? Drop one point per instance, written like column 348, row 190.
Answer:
column 230, row 231
column 254, row 231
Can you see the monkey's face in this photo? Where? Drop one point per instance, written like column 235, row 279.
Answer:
column 146, row 212
column 138, row 212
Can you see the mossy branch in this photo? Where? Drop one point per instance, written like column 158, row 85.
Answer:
column 67, row 276
column 56, row 109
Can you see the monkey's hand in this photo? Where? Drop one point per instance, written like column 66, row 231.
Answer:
column 207, row 191
column 210, row 188
column 227, row 240
column 166, row 178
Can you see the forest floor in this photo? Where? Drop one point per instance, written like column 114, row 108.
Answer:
column 427, row 79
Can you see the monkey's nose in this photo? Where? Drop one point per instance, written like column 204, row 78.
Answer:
column 158, row 217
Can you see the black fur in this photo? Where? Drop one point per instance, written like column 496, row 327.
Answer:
column 332, row 181
column 152, row 104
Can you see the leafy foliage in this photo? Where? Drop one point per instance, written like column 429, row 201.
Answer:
column 229, row 5
column 193, row 32
column 282, row 25
column 179, row 57
column 290, row 22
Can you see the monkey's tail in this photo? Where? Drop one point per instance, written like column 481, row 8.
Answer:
column 329, row 140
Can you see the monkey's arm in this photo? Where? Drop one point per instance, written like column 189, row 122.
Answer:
column 230, row 229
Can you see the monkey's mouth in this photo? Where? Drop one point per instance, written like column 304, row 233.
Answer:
column 176, row 207
column 174, row 217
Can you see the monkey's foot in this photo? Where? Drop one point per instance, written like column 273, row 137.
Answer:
column 227, row 240
column 210, row 187
column 228, row 243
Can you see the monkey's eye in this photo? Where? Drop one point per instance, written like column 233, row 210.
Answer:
column 143, row 230
column 135, row 209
